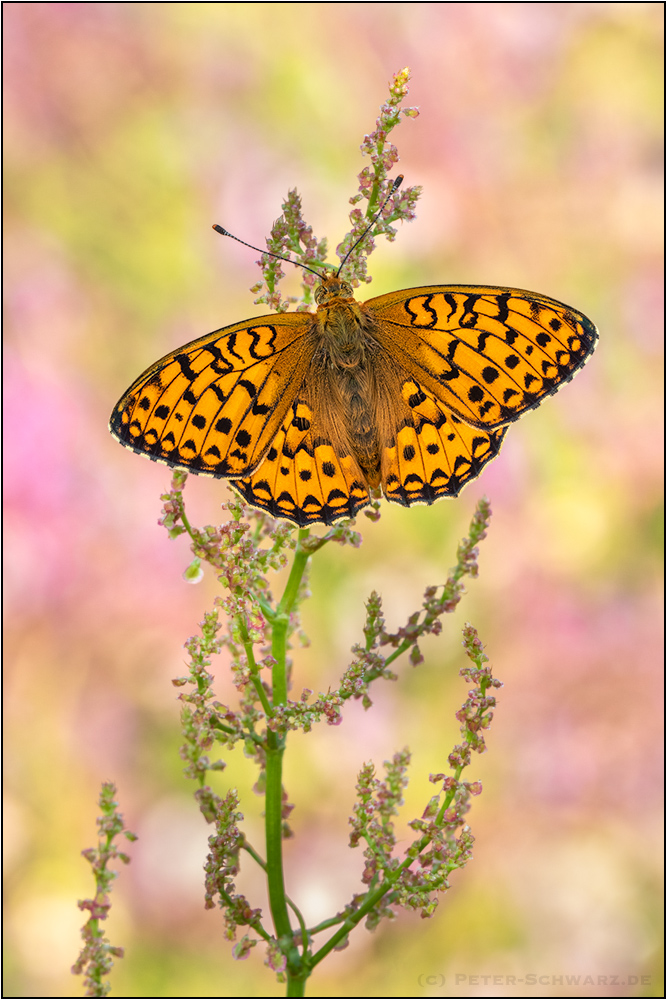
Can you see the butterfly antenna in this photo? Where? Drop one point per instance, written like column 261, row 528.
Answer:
column 223, row 232
column 394, row 187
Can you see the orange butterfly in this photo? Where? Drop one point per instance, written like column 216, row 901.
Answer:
column 310, row 415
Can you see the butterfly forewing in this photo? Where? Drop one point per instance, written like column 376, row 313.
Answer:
column 215, row 405
column 488, row 354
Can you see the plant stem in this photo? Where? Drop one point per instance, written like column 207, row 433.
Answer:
column 296, row 986
column 273, row 827
column 297, row 972
column 281, row 620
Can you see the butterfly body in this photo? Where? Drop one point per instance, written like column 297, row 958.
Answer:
column 346, row 364
column 309, row 415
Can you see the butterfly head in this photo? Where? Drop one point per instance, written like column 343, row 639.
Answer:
column 331, row 288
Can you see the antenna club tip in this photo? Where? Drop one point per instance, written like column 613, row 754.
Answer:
column 219, row 229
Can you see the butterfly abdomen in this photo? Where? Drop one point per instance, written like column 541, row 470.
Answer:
column 358, row 393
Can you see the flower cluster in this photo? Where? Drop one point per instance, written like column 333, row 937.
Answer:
column 290, row 235
column 97, row 954
column 374, row 186
column 445, row 840
column 292, row 238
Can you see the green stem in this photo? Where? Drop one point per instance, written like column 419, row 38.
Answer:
column 274, row 829
column 296, row 986
column 280, row 624
column 369, row 903
column 259, row 860
column 254, row 669
column 297, row 971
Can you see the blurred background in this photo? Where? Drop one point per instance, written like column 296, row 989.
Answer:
column 129, row 130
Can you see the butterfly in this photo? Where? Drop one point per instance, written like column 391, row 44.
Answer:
column 312, row 415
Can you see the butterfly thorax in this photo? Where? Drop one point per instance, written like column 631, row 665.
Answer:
column 341, row 324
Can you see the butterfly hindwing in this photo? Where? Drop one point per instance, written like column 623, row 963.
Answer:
column 434, row 454
column 308, row 474
column 215, row 405
column 488, row 354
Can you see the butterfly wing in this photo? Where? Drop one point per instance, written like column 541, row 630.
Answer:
column 487, row 354
column 215, row 405
column 433, row 453
column 309, row 474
